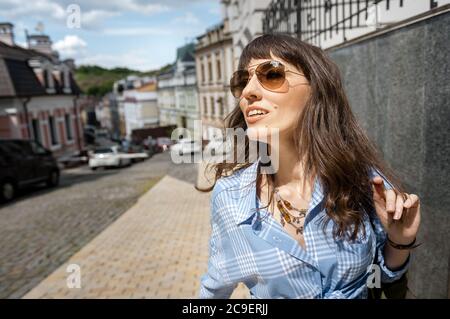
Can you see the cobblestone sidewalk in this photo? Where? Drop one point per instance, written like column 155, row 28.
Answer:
column 157, row 249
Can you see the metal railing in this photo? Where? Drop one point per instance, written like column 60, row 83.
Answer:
column 317, row 20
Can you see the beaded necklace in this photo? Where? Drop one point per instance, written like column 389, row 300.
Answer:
column 285, row 208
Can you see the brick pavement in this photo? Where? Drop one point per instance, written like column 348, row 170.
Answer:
column 157, row 249
column 44, row 227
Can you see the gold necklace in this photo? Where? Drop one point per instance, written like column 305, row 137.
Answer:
column 285, row 208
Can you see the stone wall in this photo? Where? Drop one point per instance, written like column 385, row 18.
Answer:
column 399, row 88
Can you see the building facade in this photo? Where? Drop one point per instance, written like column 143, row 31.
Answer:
column 140, row 107
column 108, row 115
column 245, row 19
column 134, row 105
column 39, row 98
column 214, row 60
column 330, row 23
column 177, row 91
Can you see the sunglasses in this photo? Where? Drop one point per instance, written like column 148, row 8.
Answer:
column 271, row 75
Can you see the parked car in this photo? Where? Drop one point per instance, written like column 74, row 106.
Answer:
column 135, row 153
column 218, row 146
column 74, row 159
column 149, row 145
column 25, row 162
column 186, row 146
column 163, row 144
column 108, row 157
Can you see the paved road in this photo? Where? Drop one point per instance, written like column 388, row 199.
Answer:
column 41, row 229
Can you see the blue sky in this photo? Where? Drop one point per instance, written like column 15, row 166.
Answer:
column 139, row 34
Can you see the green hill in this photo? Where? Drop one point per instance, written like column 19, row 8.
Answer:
column 96, row 80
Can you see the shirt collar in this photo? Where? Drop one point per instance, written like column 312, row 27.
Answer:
column 247, row 194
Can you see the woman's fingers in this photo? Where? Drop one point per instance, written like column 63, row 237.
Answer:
column 379, row 190
column 415, row 200
column 398, row 207
column 391, row 199
column 412, row 201
column 390, row 202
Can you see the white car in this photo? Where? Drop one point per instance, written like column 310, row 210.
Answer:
column 218, row 146
column 108, row 157
column 186, row 146
column 135, row 156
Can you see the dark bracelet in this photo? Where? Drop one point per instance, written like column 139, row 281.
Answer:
column 403, row 247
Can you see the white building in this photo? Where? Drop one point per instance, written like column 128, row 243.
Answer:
column 214, row 60
column 106, row 112
column 217, row 56
column 137, row 101
column 39, row 98
column 245, row 22
column 177, row 91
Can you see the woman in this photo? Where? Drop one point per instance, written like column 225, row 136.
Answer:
column 316, row 227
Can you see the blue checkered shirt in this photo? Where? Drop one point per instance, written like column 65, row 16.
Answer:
column 247, row 245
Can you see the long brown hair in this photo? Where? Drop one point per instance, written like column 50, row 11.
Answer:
column 328, row 139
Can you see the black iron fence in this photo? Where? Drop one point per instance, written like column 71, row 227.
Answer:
column 317, row 20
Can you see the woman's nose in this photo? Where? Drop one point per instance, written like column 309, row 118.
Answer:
column 252, row 90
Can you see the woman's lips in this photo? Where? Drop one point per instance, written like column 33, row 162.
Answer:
column 255, row 118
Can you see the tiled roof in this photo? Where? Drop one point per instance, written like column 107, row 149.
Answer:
column 19, row 53
column 17, row 78
column 23, row 78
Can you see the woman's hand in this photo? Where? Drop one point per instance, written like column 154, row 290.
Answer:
column 399, row 215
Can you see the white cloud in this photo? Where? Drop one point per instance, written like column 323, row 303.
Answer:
column 93, row 19
column 91, row 16
column 140, row 6
column 136, row 31
column 57, row 8
column 156, row 46
column 75, row 47
column 146, row 8
column 71, row 46
column 188, row 18
column 135, row 59
column 12, row 9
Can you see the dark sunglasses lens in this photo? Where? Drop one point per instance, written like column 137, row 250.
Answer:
column 271, row 76
column 238, row 82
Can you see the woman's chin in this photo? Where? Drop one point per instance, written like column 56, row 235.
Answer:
column 261, row 132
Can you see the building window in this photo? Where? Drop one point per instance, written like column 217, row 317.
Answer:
column 48, row 80
column 36, row 130
column 52, row 125
column 213, row 111
column 219, row 71
column 205, row 106
column 221, row 112
column 68, row 126
column 210, row 70
column 65, row 81
column 203, row 72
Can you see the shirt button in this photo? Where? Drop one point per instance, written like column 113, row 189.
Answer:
column 276, row 239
